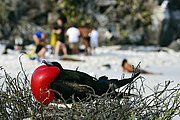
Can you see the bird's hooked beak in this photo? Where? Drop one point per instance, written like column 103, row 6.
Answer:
column 47, row 63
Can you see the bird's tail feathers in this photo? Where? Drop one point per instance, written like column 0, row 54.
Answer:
column 125, row 81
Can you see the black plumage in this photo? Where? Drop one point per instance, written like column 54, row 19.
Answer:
column 79, row 84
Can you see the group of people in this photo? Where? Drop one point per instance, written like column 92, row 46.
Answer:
column 89, row 36
column 73, row 34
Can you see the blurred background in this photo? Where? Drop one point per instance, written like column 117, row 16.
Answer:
column 119, row 22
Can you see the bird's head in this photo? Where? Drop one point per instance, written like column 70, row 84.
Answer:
column 41, row 80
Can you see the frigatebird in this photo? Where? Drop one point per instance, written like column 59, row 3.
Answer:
column 55, row 81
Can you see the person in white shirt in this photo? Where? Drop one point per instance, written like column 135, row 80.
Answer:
column 94, row 36
column 73, row 39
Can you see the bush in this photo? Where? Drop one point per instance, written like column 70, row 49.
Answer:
column 17, row 102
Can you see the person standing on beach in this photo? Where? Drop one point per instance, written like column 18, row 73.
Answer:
column 94, row 36
column 73, row 34
column 84, row 34
column 59, row 30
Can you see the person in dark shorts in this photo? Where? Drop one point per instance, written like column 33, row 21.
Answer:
column 39, row 39
column 59, row 30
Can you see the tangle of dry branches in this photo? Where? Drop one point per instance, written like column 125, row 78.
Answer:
column 17, row 102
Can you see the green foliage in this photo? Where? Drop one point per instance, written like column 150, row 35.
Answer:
column 130, row 20
column 134, row 15
column 75, row 12
column 4, row 11
column 138, row 9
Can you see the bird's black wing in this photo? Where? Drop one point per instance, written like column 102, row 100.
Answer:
column 77, row 77
column 75, row 83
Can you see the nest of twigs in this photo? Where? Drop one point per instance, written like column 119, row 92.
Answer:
column 17, row 102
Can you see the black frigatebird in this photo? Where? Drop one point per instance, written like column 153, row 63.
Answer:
column 51, row 79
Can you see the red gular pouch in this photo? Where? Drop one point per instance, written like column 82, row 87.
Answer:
column 41, row 80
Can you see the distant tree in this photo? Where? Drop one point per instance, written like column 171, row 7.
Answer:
column 134, row 15
column 131, row 19
column 76, row 11
column 3, row 12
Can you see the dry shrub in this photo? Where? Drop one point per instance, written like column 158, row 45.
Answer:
column 17, row 102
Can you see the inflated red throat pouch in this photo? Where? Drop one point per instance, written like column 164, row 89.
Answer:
column 41, row 80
